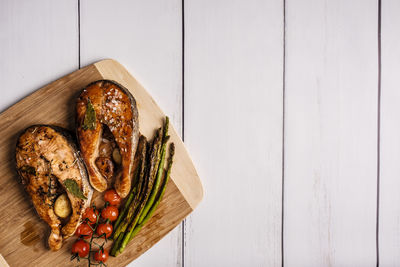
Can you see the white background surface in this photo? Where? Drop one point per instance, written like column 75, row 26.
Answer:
column 290, row 111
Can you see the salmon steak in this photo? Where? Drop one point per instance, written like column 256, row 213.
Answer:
column 106, row 107
column 48, row 163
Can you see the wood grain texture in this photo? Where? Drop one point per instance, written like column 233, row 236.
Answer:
column 331, row 133
column 145, row 36
column 233, row 85
column 39, row 42
column 389, row 219
column 54, row 104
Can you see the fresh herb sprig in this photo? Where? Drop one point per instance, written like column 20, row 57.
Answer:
column 89, row 122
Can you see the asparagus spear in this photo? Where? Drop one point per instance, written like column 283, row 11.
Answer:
column 160, row 170
column 132, row 225
column 135, row 192
column 121, row 227
column 125, row 208
column 146, row 205
column 116, row 245
column 158, row 199
column 142, row 185
column 153, row 177
column 134, row 210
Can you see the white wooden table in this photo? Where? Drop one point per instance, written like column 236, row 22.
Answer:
column 290, row 111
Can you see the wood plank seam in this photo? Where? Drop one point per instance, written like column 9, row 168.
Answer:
column 183, row 233
column 283, row 134
column 389, row 182
column 379, row 130
column 79, row 34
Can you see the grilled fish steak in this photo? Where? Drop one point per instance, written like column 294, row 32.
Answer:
column 107, row 103
column 46, row 158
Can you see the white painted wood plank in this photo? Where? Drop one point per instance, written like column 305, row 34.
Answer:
column 38, row 43
column 146, row 37
column 389, row 230
column 233, row 130
column 331, row 133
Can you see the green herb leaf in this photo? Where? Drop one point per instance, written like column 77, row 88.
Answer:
column 73, row 188
column 89, row 122
column 28, row 169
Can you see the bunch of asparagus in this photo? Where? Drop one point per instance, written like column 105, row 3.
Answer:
column 147, row 190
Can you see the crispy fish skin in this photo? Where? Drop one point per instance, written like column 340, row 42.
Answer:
column 116, row 108
column 89, row 140
column 45, row 155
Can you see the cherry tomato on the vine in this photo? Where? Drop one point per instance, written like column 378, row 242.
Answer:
column 101, row 255
column 112, row 197
column 104, row 228
column 84, row 230
column 81, row 248
column 91, row 215
column 110, row 212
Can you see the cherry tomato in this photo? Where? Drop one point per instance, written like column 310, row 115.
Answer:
column 90, row 215
column 112, row 197
column 81, row 248
column 110, row 212
column 84, row 230
column 104, row 228
column 101, row 255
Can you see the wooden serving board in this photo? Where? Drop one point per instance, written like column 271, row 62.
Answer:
column 23, row 236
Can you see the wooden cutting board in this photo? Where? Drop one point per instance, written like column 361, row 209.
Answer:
column 23, row 235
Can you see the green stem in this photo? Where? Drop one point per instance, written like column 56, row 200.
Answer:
column 153, row 180
column 91, row 238
column 151, row 193
column 125, row 209
column 127, row 218
column 114, row 249
column 160, row 169
column 157, row 202
column 156, row 183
